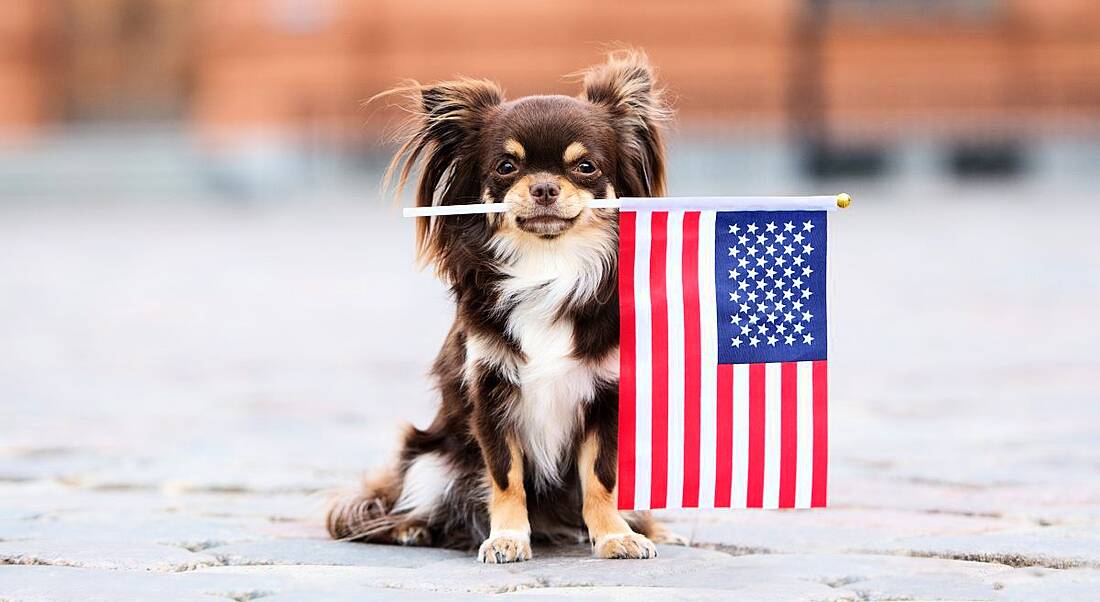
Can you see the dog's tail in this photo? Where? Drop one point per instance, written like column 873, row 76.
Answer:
column 367, row 514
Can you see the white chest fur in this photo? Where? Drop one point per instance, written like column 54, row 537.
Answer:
column 554, row 386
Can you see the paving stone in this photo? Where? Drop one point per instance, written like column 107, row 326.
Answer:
column 1055, row 547
column 103, row 555
column 328, row 552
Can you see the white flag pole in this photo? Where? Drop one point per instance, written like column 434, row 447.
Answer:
column 714, row 203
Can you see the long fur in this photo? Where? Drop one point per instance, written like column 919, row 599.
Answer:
column 533, row 353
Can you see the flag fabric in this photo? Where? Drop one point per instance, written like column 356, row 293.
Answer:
column 723, row 367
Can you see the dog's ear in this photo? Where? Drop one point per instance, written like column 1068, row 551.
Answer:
column 441, row 136
column 626, row 86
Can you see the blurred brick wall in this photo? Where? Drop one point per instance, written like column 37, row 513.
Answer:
column 266, row 63
column 26, row 96
column 722, row 60
column 234, row 65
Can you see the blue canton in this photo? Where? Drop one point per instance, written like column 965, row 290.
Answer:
column 770, row 286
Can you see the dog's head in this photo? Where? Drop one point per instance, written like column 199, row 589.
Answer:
column 545, row 157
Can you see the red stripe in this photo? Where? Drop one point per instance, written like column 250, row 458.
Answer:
column 788, row 458
column 627, row 351
column 658, row 259
column 821, row 433
column 723, row 470
column 755, row 496
column 692, row 358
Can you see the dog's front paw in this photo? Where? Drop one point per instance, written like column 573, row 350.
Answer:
column 505, row 546
column 625, row 545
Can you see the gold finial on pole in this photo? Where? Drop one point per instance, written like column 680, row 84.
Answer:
column 843, row 200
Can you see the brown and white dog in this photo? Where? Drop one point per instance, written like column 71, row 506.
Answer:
column 524, row 442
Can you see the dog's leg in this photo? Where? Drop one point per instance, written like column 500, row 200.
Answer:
column 611, row 536
column 509, row 530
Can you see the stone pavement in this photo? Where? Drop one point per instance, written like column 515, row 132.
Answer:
column 180, row 384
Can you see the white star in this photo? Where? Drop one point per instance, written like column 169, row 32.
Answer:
column 760, row 240
column 770, row 250
column 771, row 227
column 788, row 317
column 772, row 340
column 781, row 329
column 735, row 296
column 742, row 240
column 790, row 340
column 788, row 249
column 759, row 284
column 760, row 261
column 808, row 339
column 743, row 285
column 806, row 271
column 770, row 272
column 780, row 238
column 734, row 229
column 806, row 293
column 807, row 226
column 788, row 226
column 753, row 319
column 780, row 260
column 752, row 295
column 744, row 308
column 797, row 283
column 752, row 273
column 761, row 307
column 771, row 317
column 780, row 306
column 762, row 329
column 742, row 262
column 734, row 251
column 752, row 228
column 799, row 327
column 733, row 274
column 737, row 342
column 770, row 295
column 807, row 316
column 735, row 319
column 797, row 305
column 807, row 249
column 788, row 272
column 787, row 294
column 754, row 341
column 797, row 238
column 751, row 251
column 798, row 260
column 745, row 329
column 780, row 284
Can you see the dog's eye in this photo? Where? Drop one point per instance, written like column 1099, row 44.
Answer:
column 506, row 167
column 586, row 167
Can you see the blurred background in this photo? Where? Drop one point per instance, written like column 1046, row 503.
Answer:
column 262, row 98
column 209, row 312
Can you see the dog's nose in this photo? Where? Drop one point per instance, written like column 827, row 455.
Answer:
column 545, row 193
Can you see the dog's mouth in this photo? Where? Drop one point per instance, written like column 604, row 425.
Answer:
column 546, row 226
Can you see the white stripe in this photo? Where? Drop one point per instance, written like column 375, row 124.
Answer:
column 708, row 337
column 804, row 478
column 773, row 428
column 740, row 435
column 643, row 438
column 675, row 360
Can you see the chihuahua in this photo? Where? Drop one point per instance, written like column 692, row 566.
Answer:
column 524, row 441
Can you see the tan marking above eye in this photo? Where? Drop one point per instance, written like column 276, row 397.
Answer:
column 573, row 152
column 514, row 148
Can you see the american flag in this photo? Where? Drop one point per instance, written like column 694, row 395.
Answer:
column 723, row 370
